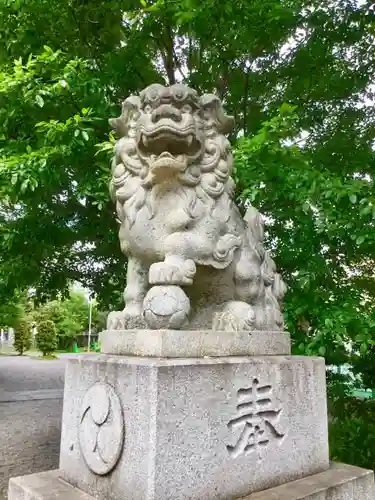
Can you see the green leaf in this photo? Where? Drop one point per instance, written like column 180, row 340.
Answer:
column 85, row 135
column 24, row 185
column 39, row 100
column 328, row 322
column 366, row 210
column 363, row 348
column 306, row 207
column 353, row 198
column 322, row 350
column 360, row 240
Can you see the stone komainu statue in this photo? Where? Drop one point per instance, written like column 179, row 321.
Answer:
column 194, row 262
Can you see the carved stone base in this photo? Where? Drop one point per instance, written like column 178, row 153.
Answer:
column 339, row 482
column 213, row 428
column 194, row 343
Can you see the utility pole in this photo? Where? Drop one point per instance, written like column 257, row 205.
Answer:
column 90, row 320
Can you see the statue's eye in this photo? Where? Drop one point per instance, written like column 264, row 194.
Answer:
column 186, row 108
column 153, row 95
column 179, row 94
column 207, row 114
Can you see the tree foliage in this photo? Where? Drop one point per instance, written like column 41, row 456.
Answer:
column 13, row 309
column 311, row 212
column 297, row 77
column 70, row 317
column 69, row 314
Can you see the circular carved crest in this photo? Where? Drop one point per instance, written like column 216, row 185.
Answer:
column 101, row 428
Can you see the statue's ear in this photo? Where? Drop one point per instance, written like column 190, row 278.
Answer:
column 224, row 123
column 130, row 107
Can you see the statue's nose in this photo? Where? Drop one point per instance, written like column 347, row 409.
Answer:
column 166, row 95
column 166, row 111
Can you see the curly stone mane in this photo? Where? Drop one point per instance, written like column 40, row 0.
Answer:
column 207, row 177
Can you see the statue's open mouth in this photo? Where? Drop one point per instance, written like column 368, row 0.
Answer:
column 168, row 147
column 167, row 140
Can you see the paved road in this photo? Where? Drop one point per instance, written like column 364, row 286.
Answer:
column 30, row 416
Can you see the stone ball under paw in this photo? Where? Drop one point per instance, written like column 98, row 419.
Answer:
column 166, row 307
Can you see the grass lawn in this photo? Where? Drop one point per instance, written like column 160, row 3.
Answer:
column 40, row 357
column 35, row 354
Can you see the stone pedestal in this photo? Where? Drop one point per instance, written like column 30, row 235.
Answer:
column 193, row 344
column 198, row 428
column 339, row 482
column 194, row 427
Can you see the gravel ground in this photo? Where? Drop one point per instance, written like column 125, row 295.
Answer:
column 30, row 416
column 21, row 373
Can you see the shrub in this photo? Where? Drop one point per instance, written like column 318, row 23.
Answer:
column 352, row 432
column 46, row 337
column 22, row 336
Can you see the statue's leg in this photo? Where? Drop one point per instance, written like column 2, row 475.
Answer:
column 134, row 294
column 136, row 287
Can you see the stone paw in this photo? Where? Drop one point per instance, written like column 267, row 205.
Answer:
column 166, row 273
column 124, row 320
column 234, row 316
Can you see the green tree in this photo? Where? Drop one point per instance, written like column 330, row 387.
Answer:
column 46, row 337
column 22, row 336
column 71, row 317
column 99, row 320
column 286, row 71
column 75, row 312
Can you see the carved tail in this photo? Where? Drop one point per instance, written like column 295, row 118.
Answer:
column 275, row 286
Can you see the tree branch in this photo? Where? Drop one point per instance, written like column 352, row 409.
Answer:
column 169, row 61
column 245, row 98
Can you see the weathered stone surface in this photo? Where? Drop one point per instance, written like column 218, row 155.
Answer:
column 173, row 188
column 193, row 344
column 116, row 320
column 44, row 486
column 101, row 428
column 214, row 428
column 339, row 482
column 166, row 307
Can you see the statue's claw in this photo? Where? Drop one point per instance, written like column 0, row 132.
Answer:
column 172, row 273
